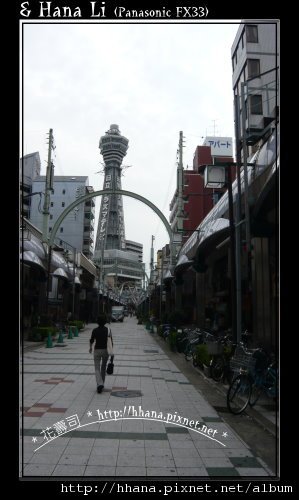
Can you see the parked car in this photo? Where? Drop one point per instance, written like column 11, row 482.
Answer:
column 117, row 313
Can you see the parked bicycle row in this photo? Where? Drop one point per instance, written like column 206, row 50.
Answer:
column 249, row 372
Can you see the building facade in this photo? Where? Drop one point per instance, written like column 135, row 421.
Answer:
column 136, row 248
column 207, row 295
column 255, row 61
column 30, row 166
column 77, row 228
column 255, row 64
column 198, row 200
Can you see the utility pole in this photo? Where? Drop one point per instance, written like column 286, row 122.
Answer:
column 152, row 258
column 74, row 275
column 48, row 188
column 180, row 213
column 237, row 224
column 180, row 182
column 232, row 251
column 151, row 274
column 246, row 204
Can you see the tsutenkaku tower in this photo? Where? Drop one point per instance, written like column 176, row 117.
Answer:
column 111, row 229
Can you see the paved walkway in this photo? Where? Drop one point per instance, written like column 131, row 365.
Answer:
column 164, row 427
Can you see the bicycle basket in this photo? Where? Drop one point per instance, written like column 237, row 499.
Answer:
column 242, row 362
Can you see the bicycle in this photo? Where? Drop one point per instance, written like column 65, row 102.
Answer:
column 195, row 338
column 221, row 355
column 206, row 338
column 240, row 389
column 184, row 336
column 265, row 381
column 255, row 375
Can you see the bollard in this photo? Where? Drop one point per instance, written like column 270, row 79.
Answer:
column 49, row 341
column 76, row 332
column 60, row 338
column 70, row 335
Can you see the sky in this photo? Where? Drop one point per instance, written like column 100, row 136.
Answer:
column 153, row 80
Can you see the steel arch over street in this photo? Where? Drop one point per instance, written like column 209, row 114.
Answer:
column 104, row 192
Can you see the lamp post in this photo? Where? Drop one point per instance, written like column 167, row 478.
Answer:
column 218, row 175
column 65, row 247
column 74, row 252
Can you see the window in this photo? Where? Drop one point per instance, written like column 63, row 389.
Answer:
column 256, row 105
column 242, row 40
column 253, row 67
column 51, row 216
column 50, row 229
column 63, row 204
column 61, row 229
column 63, row 191
column 251, row 33
column 235, row 59
column 52, row 204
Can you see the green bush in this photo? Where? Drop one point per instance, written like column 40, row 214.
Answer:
column 172, row 340
column 202, row 355
column 79, row 324
column 39, row 333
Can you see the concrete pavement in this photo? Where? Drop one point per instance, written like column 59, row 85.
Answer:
column 150, row 420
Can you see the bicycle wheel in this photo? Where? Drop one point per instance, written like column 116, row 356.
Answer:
column 255, row 394
column 238, row 394
column 188, row 354
column 228, row 375
column 195, row 359
column 217, row 368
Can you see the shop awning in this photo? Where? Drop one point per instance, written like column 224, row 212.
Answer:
column 60, row 273
column 168, row 276
column 34, row 245
column 183, row 263
column 214, row 226
column 31, row 258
